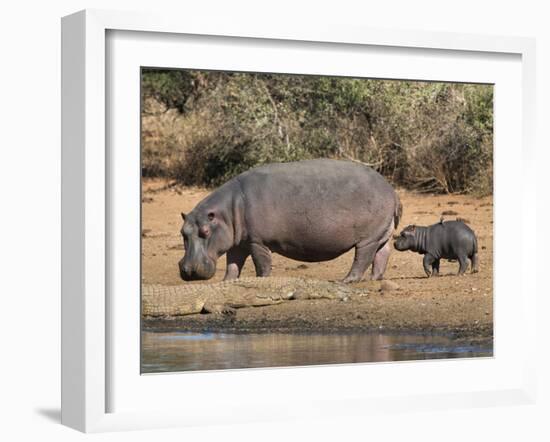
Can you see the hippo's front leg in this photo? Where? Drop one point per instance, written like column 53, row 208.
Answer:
column 261, row 256
column 427, row 263
column 236, row 257
column 435, row 268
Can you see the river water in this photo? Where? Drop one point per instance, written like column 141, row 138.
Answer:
column 182, row 351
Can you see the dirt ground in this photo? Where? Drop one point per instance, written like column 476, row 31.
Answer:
column 448, row 303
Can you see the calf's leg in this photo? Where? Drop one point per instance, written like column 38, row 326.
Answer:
column 475, row 263
column 463, row 260
column 427, row 263
column 435, row 268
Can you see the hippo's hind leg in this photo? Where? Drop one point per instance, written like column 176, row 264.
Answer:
column 380, row 261
column 463, row 260
column 236, row 257
column 261, row 256
column 364, row 256
column 475, row 263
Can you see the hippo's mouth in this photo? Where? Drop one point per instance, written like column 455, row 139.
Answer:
column 206, row 270
column 399, row 246
column 196, row 276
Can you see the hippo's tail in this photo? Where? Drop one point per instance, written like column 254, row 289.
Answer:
column 398, row 211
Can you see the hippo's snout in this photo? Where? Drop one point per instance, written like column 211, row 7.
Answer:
column 185, row 272
column 398, row 245
column 204, row 270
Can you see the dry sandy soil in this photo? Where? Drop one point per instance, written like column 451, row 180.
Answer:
column 448, row 303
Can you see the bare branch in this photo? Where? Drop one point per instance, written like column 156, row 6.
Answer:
column 378, row 163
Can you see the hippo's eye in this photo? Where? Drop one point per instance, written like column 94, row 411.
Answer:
column 211, row 216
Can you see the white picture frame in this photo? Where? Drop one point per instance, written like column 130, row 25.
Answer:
column 87, row 353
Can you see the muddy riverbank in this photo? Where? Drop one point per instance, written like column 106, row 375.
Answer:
column 371, row 309
column 412, row 303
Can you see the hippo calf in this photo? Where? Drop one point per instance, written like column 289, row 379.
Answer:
column 447, row 240
column 313, row 210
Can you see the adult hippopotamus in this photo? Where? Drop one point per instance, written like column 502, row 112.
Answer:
column 444, row 240
column 313, row 210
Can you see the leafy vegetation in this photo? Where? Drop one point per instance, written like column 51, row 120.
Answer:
column 202, row 128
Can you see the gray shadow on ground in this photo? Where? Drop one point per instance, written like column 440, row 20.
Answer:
column 51, row 414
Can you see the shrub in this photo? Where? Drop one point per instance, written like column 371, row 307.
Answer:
column 202, row 128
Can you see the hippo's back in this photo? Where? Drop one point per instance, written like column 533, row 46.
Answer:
column 450, row 239
column 316, row 207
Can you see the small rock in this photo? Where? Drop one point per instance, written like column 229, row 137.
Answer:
column 299, row 294
column 388, row 286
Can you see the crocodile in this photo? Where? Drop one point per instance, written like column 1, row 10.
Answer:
column 160, row 301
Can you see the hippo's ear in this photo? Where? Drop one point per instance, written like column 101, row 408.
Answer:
column 183, row 216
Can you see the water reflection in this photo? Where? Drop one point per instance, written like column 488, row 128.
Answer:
column 165, row 352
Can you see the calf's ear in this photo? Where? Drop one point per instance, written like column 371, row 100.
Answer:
column 183, row 216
